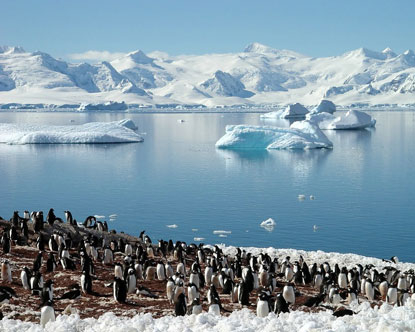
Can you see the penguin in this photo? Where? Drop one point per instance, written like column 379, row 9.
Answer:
column 181, row 268
column 47, row 314
column 161, row 272
column 88, row 223
column 192, row 292
column 169, row 270
column 243, row 293
column 262, row 307
column 141, row 290
column 215, row 307
column 6, row 243
column 264, row 277
column 369, row 290
column 196, row 307
column 128, row 249
column 151, row 273
column 50, row 218
column 402, row 284
column 180, row 305
column 139, row 271
column 108, row 257
column 67, row 263
column 36, row 283
column 68, row 217
column 24, row 228
column 342, row 278
column 314, row 301
column 170, row 290
column 208, row 274
column 178, row 290
column 25, row 276
column 6, row 272
column 118, row 273
column 47, row 292
column 383, row 288
column 131, row 281
column 288, row 294
column 392, row 296
column 86, row 282
column 318, row 280
column 13, row 234
column 40, row 243
column 37, row 264
column 343, row 312
column 73, row 294
column 53, row 245
column 403, row 297
column 119, row 290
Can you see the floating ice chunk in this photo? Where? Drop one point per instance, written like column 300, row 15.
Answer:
column 312, row 197
column 172, row 226
column 291, row 111
column 315, row 228
column 194, row 229
column 268, row 224
column 93, row 132
column 301, row 197
column 351, row 120
column 198, row 239
column 300, row 135
column 99, row 217
column 223, row 235
column 222, row 232
column 325, row 106
column 113, row 216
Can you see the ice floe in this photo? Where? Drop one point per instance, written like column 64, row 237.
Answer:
column 351, row 120
column 290, row 112
column 198, row 239
column 300, row 135
column 222, row 232
column 172, row 226
column 99, row 216
column 93, row 132
column 268, row 224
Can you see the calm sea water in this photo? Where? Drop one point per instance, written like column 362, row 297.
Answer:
column 364, row 188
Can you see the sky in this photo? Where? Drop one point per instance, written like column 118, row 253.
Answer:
column 84, row 29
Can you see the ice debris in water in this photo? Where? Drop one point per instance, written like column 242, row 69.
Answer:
column 198, row 239
column 301, row 197
column 99, row 216
column 268, row 224
column 113, row 216
column 172, row 226
column 194, row 229
column 223, row 235
column 312, row 197
column 222, row 232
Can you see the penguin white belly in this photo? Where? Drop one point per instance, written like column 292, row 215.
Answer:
column 151, row 273
column 170, row 291
column 197, row 309
column 160, row 272
column 47, row 314
column 262, row 309
column 25, row 283
column 118, row 272
column 383, row 288
column 288, row 294
column 208, row 275
column 132, row 283
column 194, row 279
column 392, row 296
column 369, row 291
column 342, row 280
column 214, row 309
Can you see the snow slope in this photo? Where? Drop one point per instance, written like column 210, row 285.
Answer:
column 259, row 75
column 93, row 132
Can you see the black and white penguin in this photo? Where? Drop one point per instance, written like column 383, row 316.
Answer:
column 280, row 304
column 51, row 263
column 161, row 272
column 131, row 281
column 170, row 290
column 50, row 218
column 118, row 272
column 192, row 292
column 36, row 283
column 68, row 217
column 47, row 314
column 180, row 305
column 392, row 296
column 37, row 264
column 6, row 272
column 288, row 294
column 67, row 263
column 73, row 294
column 243, row 293
column 369, row 290
column 86, row 282
column 25, row 276
column 47, row 292
column 89, row 221
column 24, row 228
column 119, row 290
column 108, row 257
column 6, row 243
column 195, row 308
column 53, row 245
column 262, row 307
column 342, row 278
column 13, row 234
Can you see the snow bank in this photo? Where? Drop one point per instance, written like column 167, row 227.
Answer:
column 290, row 112
column 351, row 120
column 300, row 135
column 385, row 318
column 93, row 132
column 326, row 106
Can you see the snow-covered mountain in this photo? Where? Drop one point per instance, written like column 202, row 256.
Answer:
column 259, row 75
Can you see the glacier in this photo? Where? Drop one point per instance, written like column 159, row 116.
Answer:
column 300, row 135
column 258, row 76
column 122, row 131
column 352, row 119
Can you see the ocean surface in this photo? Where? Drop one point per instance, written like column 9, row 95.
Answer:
column 364, row 188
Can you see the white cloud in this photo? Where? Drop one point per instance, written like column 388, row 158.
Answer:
column 96, row 56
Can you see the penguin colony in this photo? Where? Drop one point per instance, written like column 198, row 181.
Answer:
column 54, row 265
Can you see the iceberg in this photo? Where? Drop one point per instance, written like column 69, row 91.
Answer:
column 89, row 133
column 351, row 120
column 268, row 224
column 325, row 106
column 290, row 112
column 300, row 135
